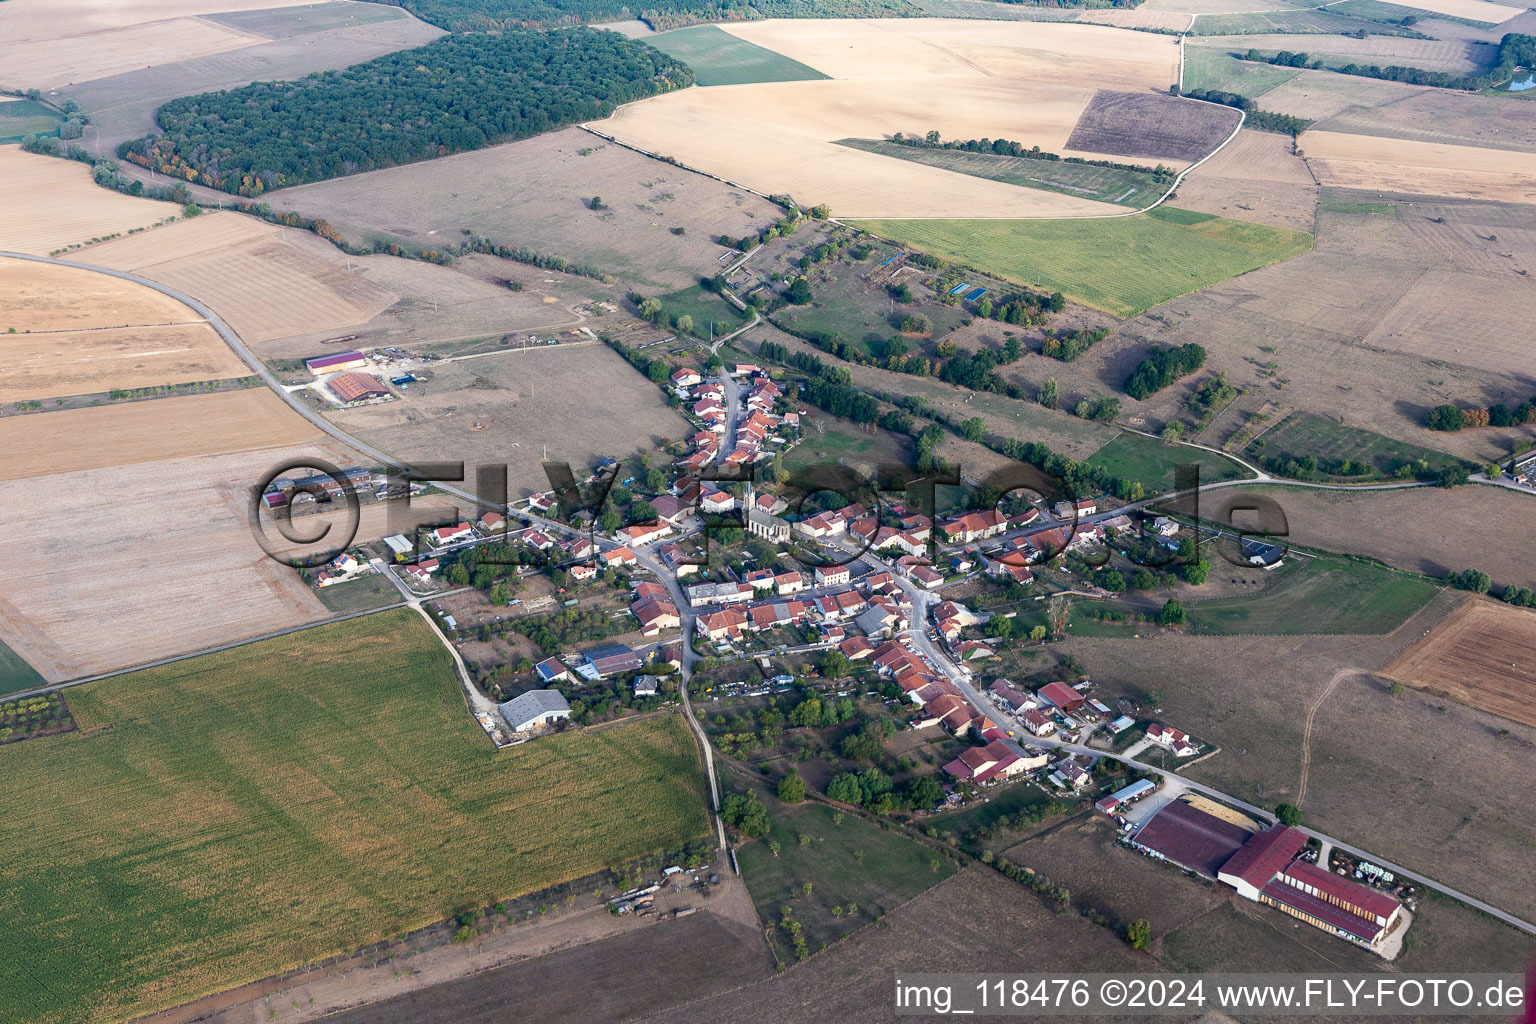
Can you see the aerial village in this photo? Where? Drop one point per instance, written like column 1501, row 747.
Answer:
column 581, row 617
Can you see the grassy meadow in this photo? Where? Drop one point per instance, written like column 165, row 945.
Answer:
column 1316, row 595
column 856, row 871
column 1153, row 463
column 1301, row 434
column 1121, row 265
column 15, row 674
column 228, row 817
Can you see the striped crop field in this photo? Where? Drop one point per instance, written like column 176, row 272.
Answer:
column 1120, row 265
column 226, row 818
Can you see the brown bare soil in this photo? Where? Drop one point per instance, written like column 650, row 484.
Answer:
column 1481, row 655
column 1463, row 318
column 977, row 918
column 646, row 969
column 142, row 561
column 1386, row 774
column 44, row 297
column 46, row 443
column 52, row 203
column 1257, row 178
column 238, row 265
column 1146, row 124
column 1321, row 94
column 1441, row 115
column 533, row 193
column 581, row 401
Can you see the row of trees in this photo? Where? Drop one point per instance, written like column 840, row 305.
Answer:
column 1516, row 50
column 1479, row 582
column 491, row 15
column 1452, row 418
column 1007, row 147
column 1262, row 120
column 458, row 93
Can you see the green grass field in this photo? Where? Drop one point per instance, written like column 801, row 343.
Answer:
column 863, row 313
column 1121, row 265
column 358, row 595
column 1301, row 434
column 719, row 58
column 854, row 863
column 1134, row 189
column 19, row 118
column 1137, row 457
column 1316, row 595
column 15, row 674
column 1210, row 67
column 705, row 307
column 1375, row 18
column 232, row 816
column 849, row 443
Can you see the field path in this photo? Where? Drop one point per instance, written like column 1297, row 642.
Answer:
column 1306, row 733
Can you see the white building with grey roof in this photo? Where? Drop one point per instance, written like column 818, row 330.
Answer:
column 533, row 709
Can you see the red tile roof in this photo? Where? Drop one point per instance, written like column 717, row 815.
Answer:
column 1263, row 856
column 1353, row 894
column 1192, row 838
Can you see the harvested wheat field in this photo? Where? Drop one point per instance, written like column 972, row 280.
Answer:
column 266, row 282
column 1255, row 177
column 1454, row 56
column 1026, row 81
column 1317, row 95
column 173, row 566
column 54, row 19
column 781, row 137
column 1424, row 168
column 73, row 440
column 1483, row 655
column 124, row 335
column 1157, row 21
column 48, row 297
column 1471, row 10
column 51, row 63
column 1088, row 56
column 50, row 204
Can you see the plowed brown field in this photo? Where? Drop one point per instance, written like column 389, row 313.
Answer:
column 1483, row 654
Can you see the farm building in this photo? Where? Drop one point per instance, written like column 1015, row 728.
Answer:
column 1190, row 838
column 400, row 544
column 1062, row 696
column 612, row 659
column 533, row 709
column 357, row 387
column 1265, row 556
column 1125, row 795
column 321, row 365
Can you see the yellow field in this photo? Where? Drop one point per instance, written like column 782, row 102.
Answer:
column 51, row 203
column 50, row 63
column 1472, row 10
column 1255, row 156
column 782, row 137
column 1427, row 168
column 1024, row 81
column 72, row 440
column 54, row 19
column 266, row 282
column 45, row 297
column 80, row 332
column 1086, row 56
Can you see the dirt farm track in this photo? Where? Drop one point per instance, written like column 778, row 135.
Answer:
column 1483, row 655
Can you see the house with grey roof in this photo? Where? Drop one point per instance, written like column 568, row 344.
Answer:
column 533, row 709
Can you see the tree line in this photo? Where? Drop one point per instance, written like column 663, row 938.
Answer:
column 1515, row 50
column 458, row 93
column 1006, row 147
column 1262, row 120
column 1451, row 418
column 492, row 15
